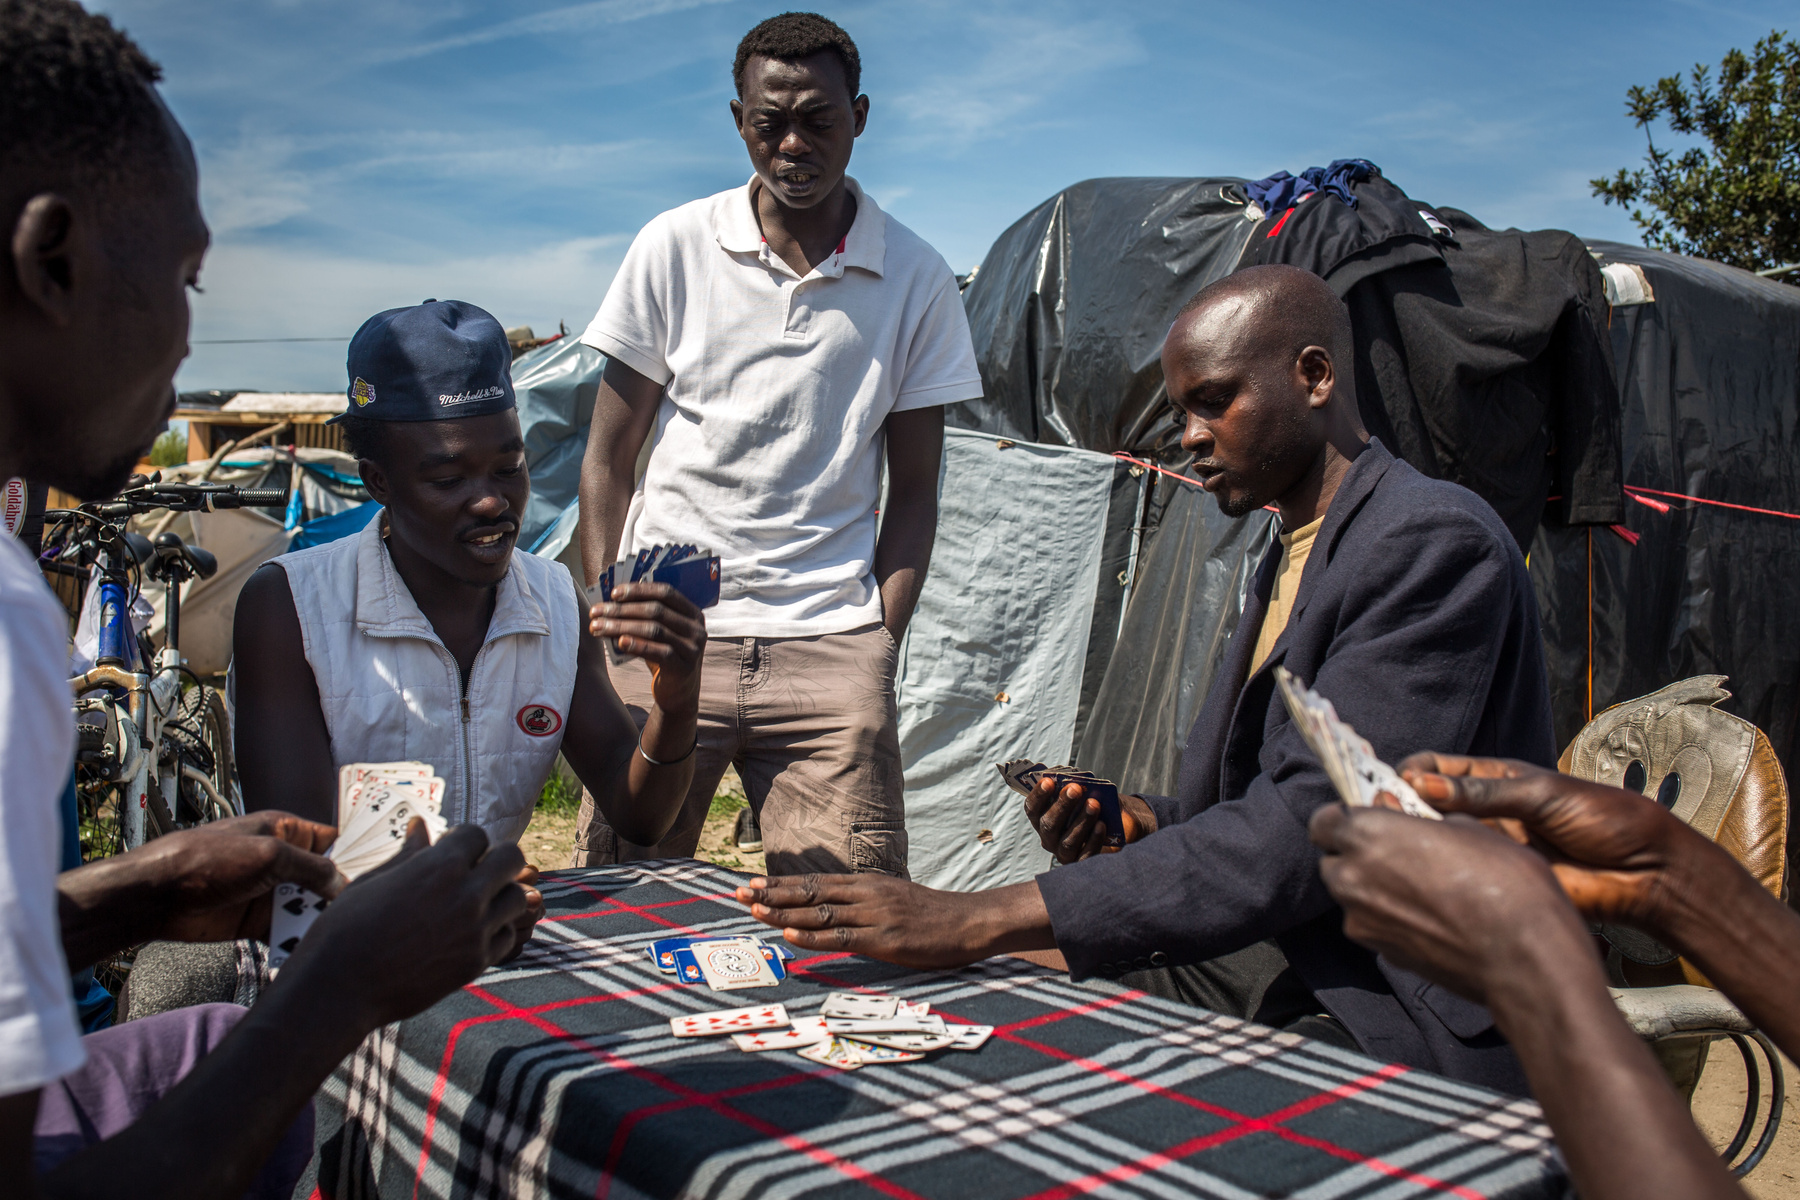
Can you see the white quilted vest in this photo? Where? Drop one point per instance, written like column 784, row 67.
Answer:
column 391, row 690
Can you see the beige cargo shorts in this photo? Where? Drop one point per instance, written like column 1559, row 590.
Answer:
column 812, row 727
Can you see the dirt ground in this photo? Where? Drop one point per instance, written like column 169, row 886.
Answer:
column 1718, row 1101
column 1719, row 1104
column 549, row 840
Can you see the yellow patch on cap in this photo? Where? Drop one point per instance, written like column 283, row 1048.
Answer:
column 363, row 392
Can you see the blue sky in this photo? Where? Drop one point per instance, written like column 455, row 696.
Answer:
column 362, row 154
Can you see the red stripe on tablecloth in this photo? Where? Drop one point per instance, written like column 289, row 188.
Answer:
column 442, row 1079
column 1244, row 1124
column 510, row 1011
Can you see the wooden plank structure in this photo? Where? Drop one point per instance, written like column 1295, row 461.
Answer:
column 247, row 414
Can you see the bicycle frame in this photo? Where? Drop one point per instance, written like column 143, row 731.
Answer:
column 138, row 702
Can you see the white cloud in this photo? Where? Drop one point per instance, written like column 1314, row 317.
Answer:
column 250, row 185
column 1022, row 78
column 259, row 291
column 574, row 18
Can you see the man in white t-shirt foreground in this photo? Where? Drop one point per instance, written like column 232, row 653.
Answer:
column 774, row 342
column 99, row 200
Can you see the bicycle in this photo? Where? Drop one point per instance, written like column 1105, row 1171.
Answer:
column 165, row 749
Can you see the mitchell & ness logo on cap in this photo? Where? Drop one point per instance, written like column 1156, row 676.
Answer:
column 363, row 392
column 475, row 397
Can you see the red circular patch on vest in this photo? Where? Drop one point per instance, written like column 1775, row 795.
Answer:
column 539, row 720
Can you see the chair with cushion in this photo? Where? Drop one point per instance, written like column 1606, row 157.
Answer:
column 1719, row 774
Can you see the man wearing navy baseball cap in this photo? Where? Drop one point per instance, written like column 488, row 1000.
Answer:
column 427, row 638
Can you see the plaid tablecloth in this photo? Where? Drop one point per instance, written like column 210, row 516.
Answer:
column 557, row 1076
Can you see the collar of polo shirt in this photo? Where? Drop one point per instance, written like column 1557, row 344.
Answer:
column 864, row 247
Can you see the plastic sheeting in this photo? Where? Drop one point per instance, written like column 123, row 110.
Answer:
column 992, row 664
column 555, row 386
column 1709, row 374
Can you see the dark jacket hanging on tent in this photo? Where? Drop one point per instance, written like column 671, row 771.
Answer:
column 1481, row 355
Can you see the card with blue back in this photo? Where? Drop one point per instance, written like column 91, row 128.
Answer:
column 688, row 569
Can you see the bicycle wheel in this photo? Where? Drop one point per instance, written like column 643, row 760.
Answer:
column 201, row 733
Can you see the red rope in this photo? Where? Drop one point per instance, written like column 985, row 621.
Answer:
column 1640, row 494
column 1632, row 490
column 1150, row 466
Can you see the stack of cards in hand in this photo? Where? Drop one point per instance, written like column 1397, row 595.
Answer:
column 376, row 802
column 722, row 963
column 1348, row 759
column 1022, row 774
column 852, row 1030
column 688, row 569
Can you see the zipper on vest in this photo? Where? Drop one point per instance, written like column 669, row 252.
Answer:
column 468, row 761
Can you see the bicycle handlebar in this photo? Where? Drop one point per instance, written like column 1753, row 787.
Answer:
column 183, row 497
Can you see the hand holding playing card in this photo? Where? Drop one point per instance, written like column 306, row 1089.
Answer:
column 411, row 931
column 214, row 883
column 534, row 911
column 1069, row 823
column 655, row 622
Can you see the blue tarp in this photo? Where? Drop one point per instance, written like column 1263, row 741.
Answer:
column 338, row 525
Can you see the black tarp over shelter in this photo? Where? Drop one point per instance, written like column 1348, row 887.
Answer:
column 1489, row 357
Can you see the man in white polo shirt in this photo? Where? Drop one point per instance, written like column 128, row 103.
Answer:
column 779, row 338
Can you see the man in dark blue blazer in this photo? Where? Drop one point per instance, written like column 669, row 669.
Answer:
column 1413, row 614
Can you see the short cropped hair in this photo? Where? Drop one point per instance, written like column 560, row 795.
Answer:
column 793, row 36
column 365, row 437
column 76, row 97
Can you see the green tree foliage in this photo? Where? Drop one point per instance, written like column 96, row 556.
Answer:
column 1736, row 198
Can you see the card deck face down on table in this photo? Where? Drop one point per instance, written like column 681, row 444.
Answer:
column 688, row 569
column 907, row 1034
column 1022, row 774
column 376, row 802
column 1348, row 759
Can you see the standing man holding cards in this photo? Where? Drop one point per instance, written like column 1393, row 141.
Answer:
column 1400, row 599
column 772, row 343
column 99, row 197
column 428, row 637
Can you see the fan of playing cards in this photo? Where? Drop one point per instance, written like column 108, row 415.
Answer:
column 1348, row 759
column 852, row 1030
column 1022, row 774
column 688, row 569
column 376, row 802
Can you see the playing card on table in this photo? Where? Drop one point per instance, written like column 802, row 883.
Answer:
column 806, row 1031
column 294, row 913
column 687, row 967
column 917, row 1043
column 855, row 1027
column 970, row 1037
column 859, row 1007
column 921, row 1009
column 734, row 963
column 729, row 1020
column 868, row 1052
column 1348, row 759
column 834, row 1053
column 663, row 952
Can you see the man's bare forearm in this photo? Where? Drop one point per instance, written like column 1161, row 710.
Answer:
column 1622, row 1129
column 1745, row 940
column 605, row 497
column 902, row 558
column 108, row 905
column 210, row 1135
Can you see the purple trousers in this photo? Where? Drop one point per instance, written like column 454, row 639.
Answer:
column 129, row 1068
